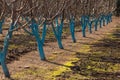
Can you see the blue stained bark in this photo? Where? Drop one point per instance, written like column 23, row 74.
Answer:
column 83, row 24
column 10, row 29
column 89, row 22
column 6, row 40
column 101, row 23
column 61, row 28
column 35, row 32
column 39, row 21
column 27, row 19
column 96, row 24
column 3, row 53
column 58, row 33
column 57, row 25
column 4, row 67
column 103, row 20
column 1, row 25
column 107, row 19
column 26, row 30
column 110, row 17
column 72, row 29
column 90, row 26
column 44, row 31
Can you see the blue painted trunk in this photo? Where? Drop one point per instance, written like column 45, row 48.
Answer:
column 72, row 29
column 107, row 19
column 110, row 17
column 58, row 33
column 100, row 23
column 1, row 25
column 6, row 40
column 35, row 32
column 5, row 69
column 5, row 50
column 44, row 31
column 89, row 22
column 104, row 21
column 83, row 24
column 96, row 24
column 90, row 26
column 10, row 29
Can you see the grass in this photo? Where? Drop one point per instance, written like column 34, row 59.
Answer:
column 28, row 72
column 85, row 49
column 101, row 61
column 65, row 68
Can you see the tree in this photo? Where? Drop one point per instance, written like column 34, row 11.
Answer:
column 118, row 8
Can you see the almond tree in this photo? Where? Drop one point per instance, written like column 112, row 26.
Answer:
column 13, row 9
column 34, row 15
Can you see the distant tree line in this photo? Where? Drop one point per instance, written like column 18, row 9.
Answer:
column 117, row 11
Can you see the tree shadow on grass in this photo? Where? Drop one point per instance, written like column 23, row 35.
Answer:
column 99, row 67
column 55, row 63
column 103, row 63
column 19, row 45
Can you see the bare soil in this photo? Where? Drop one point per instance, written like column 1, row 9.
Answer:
column 24, row 63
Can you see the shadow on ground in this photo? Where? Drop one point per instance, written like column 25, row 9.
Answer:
column 101, row 63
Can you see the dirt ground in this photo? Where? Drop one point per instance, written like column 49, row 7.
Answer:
column 61, row 62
